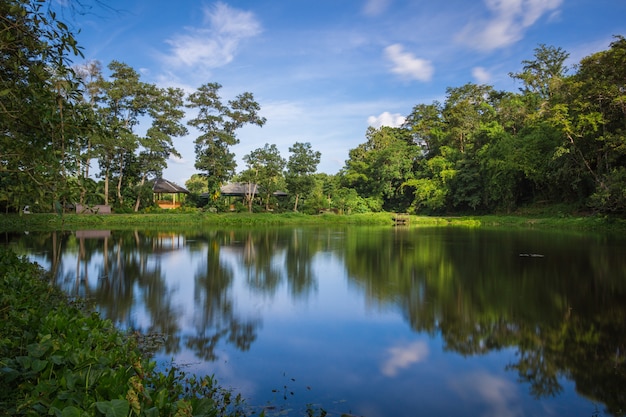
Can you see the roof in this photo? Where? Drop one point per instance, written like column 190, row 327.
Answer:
column 245, row 188
column 164, row 186
column 239, row 188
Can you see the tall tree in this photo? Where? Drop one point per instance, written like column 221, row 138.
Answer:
column 301, row 165
column 36, row 113
column 90, row 74
column 218, row 124
column 592, row 121
column 377, row 168
column 266, row 166
column 426, row 124
column 157, row 146
column 543, row 76
column 122, row 101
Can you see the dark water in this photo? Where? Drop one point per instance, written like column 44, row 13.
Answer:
column 369, row 321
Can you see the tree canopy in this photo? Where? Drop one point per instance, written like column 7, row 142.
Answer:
column 558, row 140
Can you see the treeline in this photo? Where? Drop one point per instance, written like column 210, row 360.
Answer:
column 560, row 139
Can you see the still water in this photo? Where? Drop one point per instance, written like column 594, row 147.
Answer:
column 369, row 321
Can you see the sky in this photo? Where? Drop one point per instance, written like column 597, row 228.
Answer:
column 323, row 71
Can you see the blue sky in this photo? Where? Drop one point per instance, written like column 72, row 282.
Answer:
column 324, row 70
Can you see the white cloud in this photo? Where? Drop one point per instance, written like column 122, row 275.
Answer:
column 481, row 75
column 509, row 20
column 407, row 65
column 386, row 119
column 499, row 394
column 401, row 357
column 216, row 43
column 176, row 160
column 375, row 7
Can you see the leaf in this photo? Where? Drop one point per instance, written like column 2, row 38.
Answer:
column 113, row 408
column 39, row 365
column 71, row 411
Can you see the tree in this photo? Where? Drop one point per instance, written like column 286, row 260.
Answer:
column 166, row 112
column 466, row 109
column 196, row 184
column 38, row 119
column 122, row 101
column 218, row 125
column 301, row 165
column 265, row 168
column 543, row 76
column 377, row 168
column 592, row 122
column 427, row 126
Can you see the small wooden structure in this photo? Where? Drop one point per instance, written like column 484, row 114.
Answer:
column 401, row 219
column 162, row 186
column 245, row 190
column 94, row 209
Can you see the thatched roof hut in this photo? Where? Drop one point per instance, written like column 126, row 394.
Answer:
column 162, row 186
column 242, row 189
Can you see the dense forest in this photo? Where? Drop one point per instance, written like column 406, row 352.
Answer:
column 557, row 141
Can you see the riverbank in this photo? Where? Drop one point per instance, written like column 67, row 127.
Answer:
column 43, row 222
column 56, row 358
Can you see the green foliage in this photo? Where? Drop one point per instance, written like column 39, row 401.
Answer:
column 57, row 359
column 378, row 167
column 218, row 124
column 41, row 120
column 301, row 166
column 560, row 139
column 264, row 173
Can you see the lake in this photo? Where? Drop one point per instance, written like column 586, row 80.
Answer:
column 370, row 321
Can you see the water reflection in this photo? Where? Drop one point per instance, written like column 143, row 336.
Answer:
column 283, row 296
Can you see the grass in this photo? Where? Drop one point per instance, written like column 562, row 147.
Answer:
column 14, row 222
column 173, row 219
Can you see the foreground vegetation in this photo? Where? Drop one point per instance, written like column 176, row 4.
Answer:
column 57, row 359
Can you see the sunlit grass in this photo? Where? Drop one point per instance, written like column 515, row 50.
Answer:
column 14, row 222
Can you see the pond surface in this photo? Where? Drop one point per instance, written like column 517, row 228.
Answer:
column 369, row 321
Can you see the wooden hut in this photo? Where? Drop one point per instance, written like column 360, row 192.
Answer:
column 244, row 190
column 167, row 194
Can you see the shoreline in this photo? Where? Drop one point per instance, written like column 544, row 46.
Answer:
column 49, row 222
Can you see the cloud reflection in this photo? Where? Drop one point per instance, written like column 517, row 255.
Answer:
column 401, row 357
column 499, row 396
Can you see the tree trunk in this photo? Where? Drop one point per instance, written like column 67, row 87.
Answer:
column 295, row 206
column 119, row 183
column 106, row 186
column 143, row 180
column 83, row 191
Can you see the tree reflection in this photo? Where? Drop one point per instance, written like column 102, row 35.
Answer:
column 299, row 255
column 564, row 318
column 563, row 314
column 215, row 317
column 113, row 270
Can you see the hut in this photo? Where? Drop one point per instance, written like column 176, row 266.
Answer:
column 167, row 195
column 244, row 190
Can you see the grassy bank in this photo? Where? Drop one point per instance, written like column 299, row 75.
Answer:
column 173, row 219
column 58, row 359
